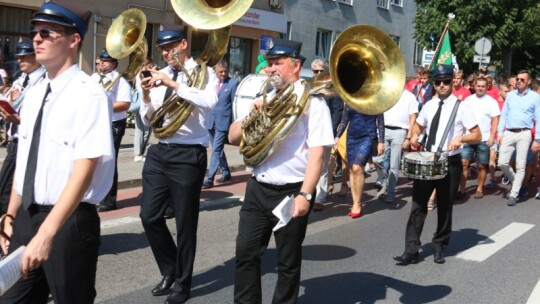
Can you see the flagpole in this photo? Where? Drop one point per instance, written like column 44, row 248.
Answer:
column 437, row 49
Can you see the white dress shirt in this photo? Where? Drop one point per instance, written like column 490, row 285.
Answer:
column 193, row 131
column 287, row 164
column 465, row 121
column 121, row 91
column 76, row 125
column 484, row 109
column 398, row 115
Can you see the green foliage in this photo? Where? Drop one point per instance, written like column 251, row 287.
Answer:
column 512, row 26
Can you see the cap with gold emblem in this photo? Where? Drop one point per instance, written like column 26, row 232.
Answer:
column 284, row 48
column 67, row 13
column 443, row 70
column 24, row 48
column 169, row 33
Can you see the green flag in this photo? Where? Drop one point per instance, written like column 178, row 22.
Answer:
column 445, row 52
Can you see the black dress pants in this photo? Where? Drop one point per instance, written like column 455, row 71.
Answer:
column 254, row 231
column 70, row 272
column 6, row 175
column 446, row 195
column 118, row 130
column 173, row 172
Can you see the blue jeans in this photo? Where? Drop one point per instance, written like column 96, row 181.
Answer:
column 393, row 141
column 218, row 158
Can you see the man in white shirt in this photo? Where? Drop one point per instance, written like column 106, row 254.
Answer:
column 399, row 121
column 486, row 111
column 65, row 165
column 119, row 96
column 174, row 169
column 293, row 169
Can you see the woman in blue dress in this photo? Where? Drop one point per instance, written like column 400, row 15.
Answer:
column 364, row 130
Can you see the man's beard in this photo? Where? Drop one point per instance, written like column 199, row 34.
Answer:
column 277, row 82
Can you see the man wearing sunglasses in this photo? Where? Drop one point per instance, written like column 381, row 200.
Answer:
column 434, row 117
column 119, row 96
column 65, row 165
column 521, row 109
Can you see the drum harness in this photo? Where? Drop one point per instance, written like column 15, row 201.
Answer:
column 446, row 131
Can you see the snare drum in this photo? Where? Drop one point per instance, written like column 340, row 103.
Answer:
column 421, row 165
column 249, row 89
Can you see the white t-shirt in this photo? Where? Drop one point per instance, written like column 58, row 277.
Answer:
column 484, row 109
column 398, row 115
column 121, row 91
column 464, row 121
column 76, row 125
column 287, row 164
column 194, row 130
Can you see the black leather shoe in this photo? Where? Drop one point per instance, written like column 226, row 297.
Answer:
column 407, row 258
column 224, row 179
column 164, row 286
column 104, row 208
column 176, row 298
column 438, row 257
column 207, row 184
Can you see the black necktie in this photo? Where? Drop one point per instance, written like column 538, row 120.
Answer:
column 168, row 94
column 25, row 82
column 101, row 78
column 434, row 126
column 31, row 164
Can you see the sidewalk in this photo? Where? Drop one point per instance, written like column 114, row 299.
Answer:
column 130, row 172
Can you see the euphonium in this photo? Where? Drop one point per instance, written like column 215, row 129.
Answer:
column 213, row 15
column 125, row 37
column 366, row 70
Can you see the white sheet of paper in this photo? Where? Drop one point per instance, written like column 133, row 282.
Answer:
column 284, row 211
column 10, row 269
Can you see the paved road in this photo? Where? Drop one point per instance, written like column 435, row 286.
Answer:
column 492, row 257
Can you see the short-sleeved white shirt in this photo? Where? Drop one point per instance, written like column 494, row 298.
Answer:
column 287, row 164
column 194, row 130
column 76, row 125
column 398, row 115
column 484, row 109
column 121, row 91
column 464, row 121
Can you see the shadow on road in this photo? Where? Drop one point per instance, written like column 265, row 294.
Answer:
column 367, row 288
column 122, row 242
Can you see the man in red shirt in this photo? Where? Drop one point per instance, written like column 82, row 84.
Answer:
column 411, row 84
column 458, row 89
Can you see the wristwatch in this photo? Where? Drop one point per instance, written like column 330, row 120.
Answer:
column 308, row 196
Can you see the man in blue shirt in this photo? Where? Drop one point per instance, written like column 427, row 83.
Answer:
column 520, row 110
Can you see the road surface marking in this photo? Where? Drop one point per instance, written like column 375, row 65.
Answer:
column 535, row 295
column 120, row 222
column 494, row 243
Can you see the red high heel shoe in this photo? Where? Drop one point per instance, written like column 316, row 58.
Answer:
column 355, row 215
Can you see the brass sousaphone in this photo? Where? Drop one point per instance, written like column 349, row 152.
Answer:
column 366, row 70
column 213, row 15
column 125, row 37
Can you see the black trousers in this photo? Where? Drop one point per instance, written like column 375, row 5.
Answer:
column 118, row 131
column 254, row 231
column 70, row 272
column 446, row 195
column 6, row 175
column 173, row 173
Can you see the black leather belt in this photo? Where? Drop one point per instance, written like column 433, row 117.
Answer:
column 172, row 145
column 394, row 128
column 47, row 208
column 284, row 187
column 518, row 130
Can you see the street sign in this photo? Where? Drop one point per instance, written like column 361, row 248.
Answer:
column 481, row 59
column 482, row 46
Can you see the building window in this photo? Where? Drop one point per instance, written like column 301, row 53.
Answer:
column 417, row 54
column 382, row 4
column 395, row 39
column 323, row 42
column 397, row 2
column 348, row 2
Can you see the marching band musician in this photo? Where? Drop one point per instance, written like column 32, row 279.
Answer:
column 174, row 169
column 434, row 117
column 292, row 169
column 32, row 71
column 65, row 165
column 120, row 98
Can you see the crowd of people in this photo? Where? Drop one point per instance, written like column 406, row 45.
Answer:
column 67, row 152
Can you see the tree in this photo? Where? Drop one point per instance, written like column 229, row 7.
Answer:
column 512, row 26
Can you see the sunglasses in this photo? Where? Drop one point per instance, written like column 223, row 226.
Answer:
column 446, row 81
column 521, row 79
column 44, row 33
column 168, row 47
column 317, row 71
